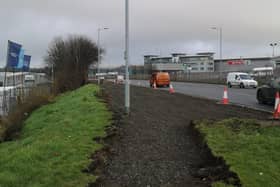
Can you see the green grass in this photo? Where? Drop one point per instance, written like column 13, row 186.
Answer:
column 56, row 142
column 251, row 151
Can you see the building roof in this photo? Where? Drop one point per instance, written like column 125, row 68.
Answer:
column 161, row 58
column 190, row 56
column 206, row 53
column 150, row 55
column 178, row 54
column 247, row 58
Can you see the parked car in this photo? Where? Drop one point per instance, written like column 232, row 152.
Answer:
column 266, row 93
column 160, row 79
column 241, row 80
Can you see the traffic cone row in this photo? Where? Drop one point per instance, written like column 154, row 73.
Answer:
column 276, row 114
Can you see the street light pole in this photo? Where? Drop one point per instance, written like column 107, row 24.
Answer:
column 273, row 45
column 126, row 56
column 220, row 32
column 98, row 50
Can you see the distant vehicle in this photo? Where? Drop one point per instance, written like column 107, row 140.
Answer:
column 266, row 93
column 29, row 80
column 160, row 79
column 242, row 80
column 119, row 79
column 262, row 71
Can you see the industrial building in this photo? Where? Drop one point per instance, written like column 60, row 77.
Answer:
column 200, row 62
column 245, row 64
column 204, row 62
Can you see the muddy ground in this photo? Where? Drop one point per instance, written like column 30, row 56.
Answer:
column 156, row 146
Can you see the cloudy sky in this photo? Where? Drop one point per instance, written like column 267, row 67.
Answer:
column 157, row 26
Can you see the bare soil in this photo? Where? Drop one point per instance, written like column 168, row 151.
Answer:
column 156, row 145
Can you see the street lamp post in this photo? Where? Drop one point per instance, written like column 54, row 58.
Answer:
column 273, row 45
column 220, row 32
column 98, row 50
column 126, row 56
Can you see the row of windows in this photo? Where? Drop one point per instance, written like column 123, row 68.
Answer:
column 202, row 68
column 196, row 59
column 184, row 60
column 189, row 63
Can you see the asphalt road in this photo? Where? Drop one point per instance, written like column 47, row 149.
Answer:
column 244, row 97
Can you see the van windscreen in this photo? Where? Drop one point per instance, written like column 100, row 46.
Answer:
column 245, row 77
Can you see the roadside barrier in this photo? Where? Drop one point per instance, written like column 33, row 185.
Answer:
column 171, row 89
column 276, row 114
column 225, row 97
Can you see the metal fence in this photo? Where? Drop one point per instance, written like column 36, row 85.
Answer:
column 204, row 77
column 11, row 98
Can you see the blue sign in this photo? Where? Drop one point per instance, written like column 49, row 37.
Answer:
column 13, row 54
column 26, row 63
column 21, row 59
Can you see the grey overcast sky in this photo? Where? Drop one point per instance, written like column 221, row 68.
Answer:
column 157, row 26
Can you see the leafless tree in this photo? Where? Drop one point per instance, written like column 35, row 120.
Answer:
column 70, row 59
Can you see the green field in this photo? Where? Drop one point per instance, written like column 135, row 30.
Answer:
column 250, row 149
column 56, row 142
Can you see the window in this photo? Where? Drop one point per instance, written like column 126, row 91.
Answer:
column 248, row 62
column 193, row 59
column 210, row 68
column 202, row 63
column 202, row 68
column 210, row 63
column 276, row 83
column 203, row 58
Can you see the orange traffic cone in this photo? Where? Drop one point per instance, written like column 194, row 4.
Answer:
column 276, row 114
column 171, row 89
column 155, row 85
column 225, row 97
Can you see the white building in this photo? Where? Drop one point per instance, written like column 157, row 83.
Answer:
column 200, row 62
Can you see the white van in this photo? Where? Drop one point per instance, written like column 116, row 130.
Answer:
column 120, row 79
column 29, row 80
column 241, row 79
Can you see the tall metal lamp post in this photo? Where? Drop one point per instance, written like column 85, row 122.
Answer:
column 98, row 45
column 273, row 45
column 220, row 32
column 127, row 58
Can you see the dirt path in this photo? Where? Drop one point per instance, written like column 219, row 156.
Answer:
column 155, row 145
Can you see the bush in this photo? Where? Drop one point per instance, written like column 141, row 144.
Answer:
column 70, row 59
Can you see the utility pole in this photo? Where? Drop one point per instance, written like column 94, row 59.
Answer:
column 127, row 58
column 98, row 50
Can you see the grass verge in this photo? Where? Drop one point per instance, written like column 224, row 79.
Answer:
column 56, row 142
column 249, row 148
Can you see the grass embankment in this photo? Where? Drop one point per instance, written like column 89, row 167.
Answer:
column 56, row 142
column 250, row 149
